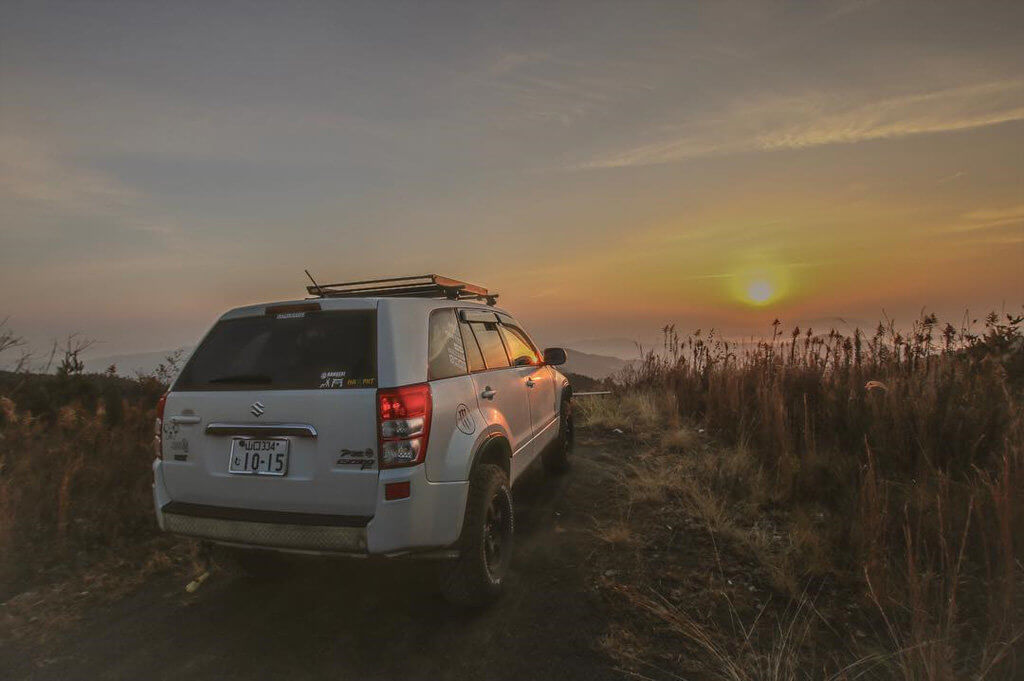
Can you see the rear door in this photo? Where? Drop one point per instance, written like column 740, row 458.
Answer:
column 276, row 410
column 501, row 389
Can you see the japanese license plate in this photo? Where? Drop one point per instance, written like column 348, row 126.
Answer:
column 251, row 456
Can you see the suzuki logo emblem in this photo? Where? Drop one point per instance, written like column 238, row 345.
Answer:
column 257, row 409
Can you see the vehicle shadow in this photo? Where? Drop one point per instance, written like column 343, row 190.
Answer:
column 377, row 618
column 360, row 619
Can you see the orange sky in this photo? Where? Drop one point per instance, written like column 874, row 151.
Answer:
column 608, row 168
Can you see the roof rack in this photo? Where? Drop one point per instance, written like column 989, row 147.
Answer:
column 421, row 286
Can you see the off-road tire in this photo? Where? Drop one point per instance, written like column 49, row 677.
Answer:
column 476, row 577
column 257, row 565
column 556, row 458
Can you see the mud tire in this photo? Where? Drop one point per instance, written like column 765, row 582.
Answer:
column 556, row 459
column 477, row 576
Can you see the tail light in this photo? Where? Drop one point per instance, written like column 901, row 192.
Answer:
column 159, row 426
column 403, row 417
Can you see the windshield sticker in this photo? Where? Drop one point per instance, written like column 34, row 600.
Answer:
column 456, row 352
column 360, row 382
column 332, row 379
column 290, row 315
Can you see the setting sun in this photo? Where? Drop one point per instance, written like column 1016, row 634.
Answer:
column 760, row 291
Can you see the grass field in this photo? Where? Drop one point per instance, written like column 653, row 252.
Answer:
column 867, row 488
column 880, row 474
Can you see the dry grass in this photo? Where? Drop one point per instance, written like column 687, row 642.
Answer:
column 75, row 480
column 892, row 464
column 71, row 487
column 638, row 412
column 744, row 651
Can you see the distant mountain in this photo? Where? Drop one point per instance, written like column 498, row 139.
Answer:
column 622, row 348
column 583, row 363
column 130, row 364
column 594, row 366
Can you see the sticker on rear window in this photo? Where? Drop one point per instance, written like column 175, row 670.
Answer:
column 332, row 379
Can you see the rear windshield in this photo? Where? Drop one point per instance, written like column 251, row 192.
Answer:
column 293, row 351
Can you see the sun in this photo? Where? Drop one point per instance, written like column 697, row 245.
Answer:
column 760, row 291
column 759, row 284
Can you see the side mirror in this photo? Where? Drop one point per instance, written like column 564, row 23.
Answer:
column 554, row 356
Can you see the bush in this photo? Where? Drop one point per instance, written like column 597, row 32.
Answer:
column 75, row 456
column 908, row 447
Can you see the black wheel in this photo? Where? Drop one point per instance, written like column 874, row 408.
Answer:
column 476, row 577
column 556, row 459
column 258, row 565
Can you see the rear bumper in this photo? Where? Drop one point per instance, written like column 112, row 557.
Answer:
column 430, row 518
column 269, row 535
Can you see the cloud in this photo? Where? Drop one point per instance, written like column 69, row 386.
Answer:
column 997, row 215
column 39, row 183
column 847, row 7
column 1003, row 225
column 796, row 122
column 33, row 171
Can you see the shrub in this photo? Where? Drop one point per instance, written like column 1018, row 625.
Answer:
column 908, row 446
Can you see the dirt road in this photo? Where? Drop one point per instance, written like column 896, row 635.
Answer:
column 362, row 620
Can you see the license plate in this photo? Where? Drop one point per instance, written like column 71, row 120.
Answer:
column 250, row 456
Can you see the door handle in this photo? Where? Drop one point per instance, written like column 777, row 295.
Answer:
column 530, row 383
column 183, row 420
column 488, row 394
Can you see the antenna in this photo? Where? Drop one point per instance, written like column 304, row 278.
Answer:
column 319, row 290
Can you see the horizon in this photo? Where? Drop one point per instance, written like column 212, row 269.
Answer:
column 639, row 164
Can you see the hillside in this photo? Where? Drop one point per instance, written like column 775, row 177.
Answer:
column 594, row 366
column 130, row 364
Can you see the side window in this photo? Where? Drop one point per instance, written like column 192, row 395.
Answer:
column 446, row 356
column 476, row 360
column 519, row 346
column 489, row 338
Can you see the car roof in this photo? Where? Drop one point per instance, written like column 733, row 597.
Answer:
column 369, row 302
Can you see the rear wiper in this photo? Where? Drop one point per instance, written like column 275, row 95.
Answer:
column 243, row 378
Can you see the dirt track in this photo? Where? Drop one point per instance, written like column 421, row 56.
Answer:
column 362, row 620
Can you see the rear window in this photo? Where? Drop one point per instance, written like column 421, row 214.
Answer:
column 446, row 356
column 294, row 351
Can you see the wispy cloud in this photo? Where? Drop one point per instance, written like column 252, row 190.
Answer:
column 33, row 171
column 847, row 7
column 797, row 122
column 997, row 215
column 993, row 225
column 40, row 180
column 1000, row 225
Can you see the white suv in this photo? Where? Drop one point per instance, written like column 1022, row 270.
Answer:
column 387, row 417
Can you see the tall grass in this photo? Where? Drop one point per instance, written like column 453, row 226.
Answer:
column 906, row 448
column 75, row 455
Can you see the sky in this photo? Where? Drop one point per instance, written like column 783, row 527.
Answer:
column 607, row 167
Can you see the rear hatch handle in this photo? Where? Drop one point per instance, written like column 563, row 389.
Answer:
column 263, row 429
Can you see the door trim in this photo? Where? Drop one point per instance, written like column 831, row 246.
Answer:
column 268, row 429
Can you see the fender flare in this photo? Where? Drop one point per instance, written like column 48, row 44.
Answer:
column 489, row 437
column 565, row 393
